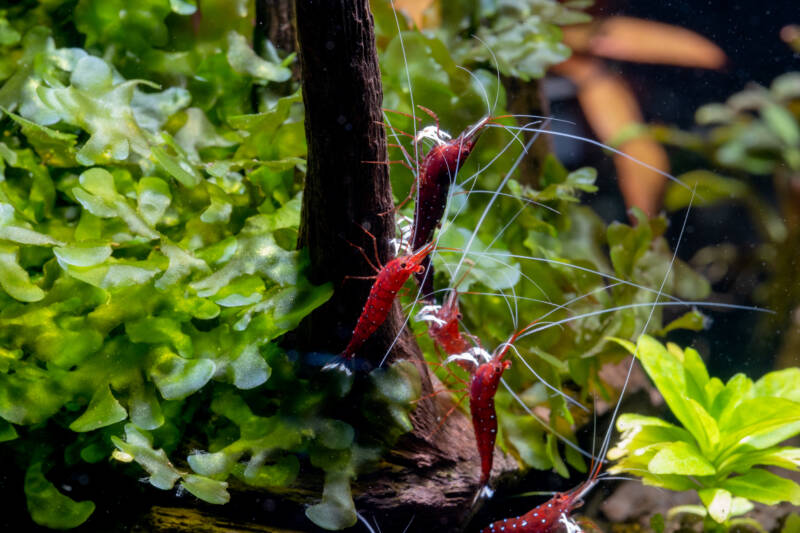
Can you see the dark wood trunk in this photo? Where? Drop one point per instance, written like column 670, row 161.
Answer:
column 345, row 194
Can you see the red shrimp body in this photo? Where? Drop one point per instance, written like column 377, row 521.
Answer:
column 482, row 388
column 436, row 172
column 445, row 331
column 383, row 292
column 544, row 518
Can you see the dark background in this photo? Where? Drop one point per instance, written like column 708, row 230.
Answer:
column 748, row 32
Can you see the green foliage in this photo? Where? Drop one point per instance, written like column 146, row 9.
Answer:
column 756, row 131
column 50, row 508
column 149, row 208
column 523, row 36
column 727, row 433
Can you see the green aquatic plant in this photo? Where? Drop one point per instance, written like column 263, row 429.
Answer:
column 727, row 432
column 148, row 266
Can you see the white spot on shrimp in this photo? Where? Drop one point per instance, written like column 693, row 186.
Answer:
column 432, row 133
column 569, row 524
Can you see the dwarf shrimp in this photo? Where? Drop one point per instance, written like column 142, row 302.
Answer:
column 436, row 172
column 388, row 281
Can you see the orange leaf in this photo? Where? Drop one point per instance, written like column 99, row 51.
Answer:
column 645, row 41
column 414, row 9
column 640, row 186
column 609, row 107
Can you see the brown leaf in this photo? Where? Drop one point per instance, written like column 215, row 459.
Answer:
column 644, row 41
column 610, row 107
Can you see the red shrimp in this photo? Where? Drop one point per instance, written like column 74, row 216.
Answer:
column 388, row 282
column 435, row 175
column 444, row 330
column 482, row 389
column 553, row 515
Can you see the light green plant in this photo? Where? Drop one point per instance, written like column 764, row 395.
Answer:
column 727, row 432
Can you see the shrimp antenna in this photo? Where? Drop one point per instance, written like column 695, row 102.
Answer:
column 496, row 70
column 601, row 145
column 595, row 471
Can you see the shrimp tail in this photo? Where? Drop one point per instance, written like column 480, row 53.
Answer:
column 340, row 363
column 484, row 492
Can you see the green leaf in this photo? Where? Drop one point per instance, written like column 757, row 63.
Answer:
column 786, row 86
column 103, row 411
column 56, row 148
column 555, row 457
column 694, row 320
column 784, row 457
column 791, row 524
column 494, row 268
column 49, row 507
column 718, row 502
column 206, row 489
column 257, row 252
column 761, row 422
column 695, row 367
column 160, row 330
column 726, row 401
column 100, row 106
column 782, row 122
column 7, row 431
column 281, row 474
column 764, row 487
column 177, row 167
column 680, row 458
column 145, row 411
column 709, row 189
column 83, row 254
column 153, row 197
column 116, row 22
column 669, row 376
column 708, row 435
column 177, row 378
column 243, row 60
column 138, row 446
column 336, row 510
column 14, row 279
column 779, row 384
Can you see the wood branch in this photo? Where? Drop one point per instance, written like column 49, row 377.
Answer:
column 342, row 94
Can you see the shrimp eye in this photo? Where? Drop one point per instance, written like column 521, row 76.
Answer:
column 459, row 316
column 402, row 265
column 497, row 370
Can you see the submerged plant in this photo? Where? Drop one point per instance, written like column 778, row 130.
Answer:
column 727, row 433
